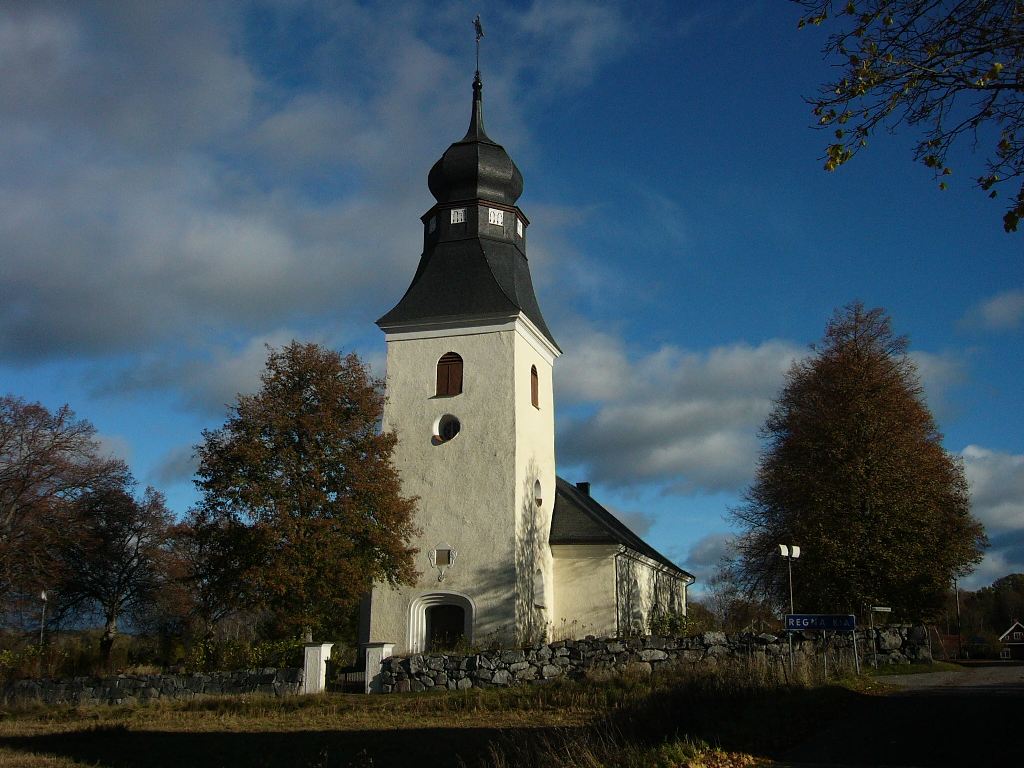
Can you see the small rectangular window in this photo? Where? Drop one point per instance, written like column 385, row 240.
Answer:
column 494, row 216
column 442, row 557
column 519, row 226
column 458, row 215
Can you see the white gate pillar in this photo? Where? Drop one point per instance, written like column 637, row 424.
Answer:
column 314, row 667
column 375, row 653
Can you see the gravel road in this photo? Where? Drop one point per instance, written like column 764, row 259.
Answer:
column 963, row 718
column 984, row 680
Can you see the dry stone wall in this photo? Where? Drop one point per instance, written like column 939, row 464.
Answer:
column 577, row 658
column 130, row 689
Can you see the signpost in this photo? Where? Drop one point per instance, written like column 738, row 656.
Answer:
column 872, row 610
column 823, row 622
column 803, row 622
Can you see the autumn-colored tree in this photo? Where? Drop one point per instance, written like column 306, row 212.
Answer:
column 954, row 70
column 300, row 478
column 47, row 461
column 117, row 561
column 854, row 472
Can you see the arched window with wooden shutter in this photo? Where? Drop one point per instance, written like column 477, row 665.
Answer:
column 534, row 387
column 449, row 375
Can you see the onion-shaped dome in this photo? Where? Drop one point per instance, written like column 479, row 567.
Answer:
column 476, row 168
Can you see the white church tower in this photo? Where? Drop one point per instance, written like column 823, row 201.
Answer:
column 469, row 372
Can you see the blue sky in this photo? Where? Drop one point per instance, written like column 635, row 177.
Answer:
column 181, row 183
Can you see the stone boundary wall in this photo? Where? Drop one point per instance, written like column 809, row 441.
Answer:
column 575, row 658
column 131, row 689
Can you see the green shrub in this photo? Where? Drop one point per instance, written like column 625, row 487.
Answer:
column 214, row 655
column 674, row 624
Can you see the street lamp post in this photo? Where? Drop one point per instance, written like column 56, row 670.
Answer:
column 42, row 627
column 42, row 620
column 790, row 552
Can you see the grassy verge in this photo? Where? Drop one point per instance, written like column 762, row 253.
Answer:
column 739, row 715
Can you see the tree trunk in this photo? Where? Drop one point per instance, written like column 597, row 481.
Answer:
column 107, row 640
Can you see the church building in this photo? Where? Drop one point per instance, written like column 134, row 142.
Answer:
column 510, row 553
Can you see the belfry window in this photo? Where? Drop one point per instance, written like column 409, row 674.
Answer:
column 449, row 375
column 496, row 217
column 534, row 387
column 458, row 215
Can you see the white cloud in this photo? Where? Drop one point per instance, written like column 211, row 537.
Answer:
column 160, row 181
column 177, row 466
column 709, row 551
column 1002, row 312
column 114, row 447
column 686, row 420
column 574, row 36
column 705, row 556
column 207, row 379
column 939, row 373
column 996, row 483
column 637, row 521
column 996, row 564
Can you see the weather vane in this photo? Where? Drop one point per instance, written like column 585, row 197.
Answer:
column 479, row 33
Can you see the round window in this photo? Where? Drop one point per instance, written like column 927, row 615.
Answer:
column 446, row 428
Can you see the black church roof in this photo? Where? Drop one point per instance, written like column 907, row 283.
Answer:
column 469, row 278
column 476, row 168
column 578, row 519
column 473, row 266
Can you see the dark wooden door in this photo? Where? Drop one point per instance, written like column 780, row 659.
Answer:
column 445, row 626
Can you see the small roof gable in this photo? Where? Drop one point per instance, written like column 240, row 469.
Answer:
column 1016, row 626
column 579, row 519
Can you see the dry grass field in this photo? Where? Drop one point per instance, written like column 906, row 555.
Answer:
column 614, row 721
column 729, row 719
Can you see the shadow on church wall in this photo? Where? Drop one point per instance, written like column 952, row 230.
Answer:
column 533, row 593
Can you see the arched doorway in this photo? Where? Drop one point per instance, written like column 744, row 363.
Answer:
column 446, row 627
column 439, row 620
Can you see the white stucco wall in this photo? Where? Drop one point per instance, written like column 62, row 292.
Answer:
column 584, row 576
column 476, row 490
column 535, row 461
column 645, row 587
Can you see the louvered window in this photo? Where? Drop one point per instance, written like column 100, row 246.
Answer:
column 449, row 375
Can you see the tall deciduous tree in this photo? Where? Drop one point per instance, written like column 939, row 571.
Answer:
column 47, row 461
column 215, row 556
column 953, row 69
column 301, row 477
column 854, row 472
column 117, row 562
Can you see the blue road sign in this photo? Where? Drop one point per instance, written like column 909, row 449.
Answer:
column 796, row 622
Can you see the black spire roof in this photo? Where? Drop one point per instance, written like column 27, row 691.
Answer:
column 476, row 168
column 474, row 239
